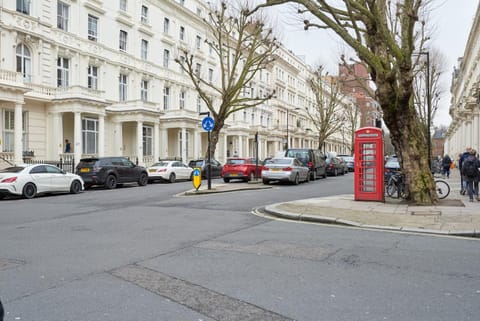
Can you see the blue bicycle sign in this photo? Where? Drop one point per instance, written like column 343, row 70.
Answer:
column 208, row 123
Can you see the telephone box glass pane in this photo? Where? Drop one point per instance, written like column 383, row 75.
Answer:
column 368, row 173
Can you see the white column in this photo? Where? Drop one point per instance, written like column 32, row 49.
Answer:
column 240, row 146
column 225, row 146
column 140, row 143
column 77, row 136
column 183, row 152
column 196, row 143
column 475, row 131
column 156, row 142
column 163, row 143
column 117, row 139
column 17, row 134
column 101, row 135
column 57, row 133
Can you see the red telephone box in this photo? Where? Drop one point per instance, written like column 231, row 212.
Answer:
column 369, row 165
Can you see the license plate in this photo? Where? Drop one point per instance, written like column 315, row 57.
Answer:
column 84, row 170
column 152, row 170
column 233, row 174
column 275, row 169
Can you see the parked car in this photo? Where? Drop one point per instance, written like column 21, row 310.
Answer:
column 335, row 166
column 349, row 160
column 241, row 168
column 312, row 158
column 215, row 167
column 286, row 169
column 170, row 171
column 30, row 180
column 111, row 172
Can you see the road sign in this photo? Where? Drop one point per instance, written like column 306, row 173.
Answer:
column 197, row 178
column 208, row 123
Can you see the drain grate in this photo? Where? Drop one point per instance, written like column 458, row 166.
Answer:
column 6, row 264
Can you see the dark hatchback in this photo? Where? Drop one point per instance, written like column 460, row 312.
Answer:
column 110, row 172
column 216, row 167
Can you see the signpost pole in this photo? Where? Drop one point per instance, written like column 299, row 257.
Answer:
column 208, row 124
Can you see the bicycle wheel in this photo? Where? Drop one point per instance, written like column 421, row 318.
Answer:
column 392, row 189
column 442, row 188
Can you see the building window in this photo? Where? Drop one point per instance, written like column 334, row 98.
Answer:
column 123, row 5
column 166, row 25
column 198, row 42
column 181, row 103
column 122, row 41
column 144, row 51
column 144, row 90
column 23, row 6
column 144, row 14
column 182, row 33
column 123, row 87
column 147, row 137
column 166, row 98
column 166, row 58
column 62, row 16
column 199, row 12
column 199, row 104
column 63, row 71
column 92, row 77
column 92, row 28
column 180, row 142
column 198, row 69
column 24, row 62
column 9, row 130
column 210, row 75
column 89, row 136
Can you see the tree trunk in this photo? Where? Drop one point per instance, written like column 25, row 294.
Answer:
column 214, row 137
column 409, row 139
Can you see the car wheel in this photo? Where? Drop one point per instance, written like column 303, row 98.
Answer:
column 297, row 179
column 172, row 178
column 75, row 187
column 265, row 181
column 314, row 175
column 2, row 196
column 111, row 182
column 143, row 179
column 335, row 172
column 29, row 191
column 226, row 180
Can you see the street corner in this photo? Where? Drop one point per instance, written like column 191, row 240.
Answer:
column 226, row 188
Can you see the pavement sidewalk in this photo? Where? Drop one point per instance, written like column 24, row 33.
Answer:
column 454, row 215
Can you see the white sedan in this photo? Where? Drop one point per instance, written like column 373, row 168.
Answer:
column 169, row 171
column 30, row 180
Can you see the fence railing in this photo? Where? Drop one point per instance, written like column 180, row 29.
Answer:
column 67, row 165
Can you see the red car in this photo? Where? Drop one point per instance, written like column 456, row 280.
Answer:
column 241, row 168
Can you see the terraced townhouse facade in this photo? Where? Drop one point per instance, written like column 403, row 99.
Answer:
column 464, row 131
column 102, row 75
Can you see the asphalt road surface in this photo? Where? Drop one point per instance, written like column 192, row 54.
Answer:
column 147, row 254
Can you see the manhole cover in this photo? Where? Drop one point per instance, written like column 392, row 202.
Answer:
column 451, row 202
column 6, row 264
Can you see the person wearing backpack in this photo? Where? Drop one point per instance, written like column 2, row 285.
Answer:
column 471, row 174
column 446, row 162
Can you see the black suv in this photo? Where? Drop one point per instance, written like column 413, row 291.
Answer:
column 215, row 167
column 110, row 172
column 312, row 158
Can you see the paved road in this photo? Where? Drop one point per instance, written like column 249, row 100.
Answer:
column 142, row 254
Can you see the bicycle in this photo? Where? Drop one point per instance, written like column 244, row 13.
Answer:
column 395, row 187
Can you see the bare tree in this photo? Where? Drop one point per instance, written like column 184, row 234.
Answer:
column 385, row 34
column 328, row 112
column 435, row 70
column 243, row 46
column 352, row 114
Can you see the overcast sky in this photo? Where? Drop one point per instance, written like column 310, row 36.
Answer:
column 452, row 19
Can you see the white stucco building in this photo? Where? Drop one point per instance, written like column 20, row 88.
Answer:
column 102, row 75
column 464, row 130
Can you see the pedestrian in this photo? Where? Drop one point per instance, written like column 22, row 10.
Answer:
column 67, row 146
column 446, row 162
column 463, row 183
column 471, row 174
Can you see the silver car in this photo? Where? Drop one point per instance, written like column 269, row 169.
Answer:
column 286, row 169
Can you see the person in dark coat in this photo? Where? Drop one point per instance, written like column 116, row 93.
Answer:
column 463, row 182
column 446, row 162
column 471, row 174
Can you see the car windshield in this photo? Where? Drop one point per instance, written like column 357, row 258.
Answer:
column 87, row 162
column 15, row 169
column 280, row 161
column 160, row 164
column 236, row 161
